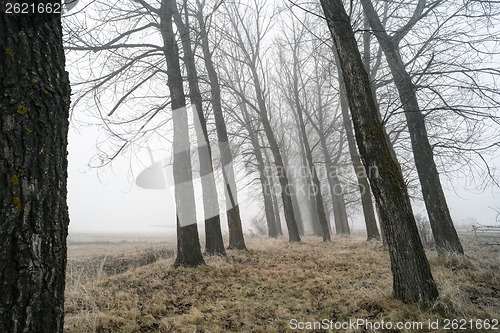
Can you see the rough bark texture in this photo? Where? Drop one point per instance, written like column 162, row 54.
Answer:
column 188, row 244
column 34, row 104
column 412, row 277
column 236, row 239
column 445, row 235
column 214, row 243
column 364, row 187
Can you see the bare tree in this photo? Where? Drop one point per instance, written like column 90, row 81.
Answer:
column 188, row 244
column 253, row 131
column 443, row 229
column 236, row 240
column 214, row 243
column 412, row 278
column 248, row 44
column 293, row 98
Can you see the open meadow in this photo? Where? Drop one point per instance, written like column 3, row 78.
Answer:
column 127, row 284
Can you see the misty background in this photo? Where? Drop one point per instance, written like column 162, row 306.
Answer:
column 108, row 200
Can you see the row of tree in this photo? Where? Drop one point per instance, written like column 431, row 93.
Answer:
column 284, row 95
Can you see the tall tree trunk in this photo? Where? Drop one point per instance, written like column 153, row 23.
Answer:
column 214, row 243
column 236, row 238
column 34, row 104
column 188, row 244
column 367, row 60
column 445, row 235
column 359, row 170
column 412, row 277
column 272, row 228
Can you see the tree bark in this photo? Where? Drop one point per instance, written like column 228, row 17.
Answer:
column 364, row 187
column 34, row 111
column 236, row 238
column 445, row 235
column 188, row 244
column 412, row 277
column 214, row 244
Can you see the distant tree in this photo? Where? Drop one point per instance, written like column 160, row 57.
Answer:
column 290, row 82
column 425, row 231
column 248, row 46
column 412, row 277
column 34, row 111
column 253, row 133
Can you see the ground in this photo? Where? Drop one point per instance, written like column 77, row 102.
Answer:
column 129, row 285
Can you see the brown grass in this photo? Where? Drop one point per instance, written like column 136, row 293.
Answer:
column 263, row 289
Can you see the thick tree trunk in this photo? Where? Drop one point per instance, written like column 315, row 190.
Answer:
column 34, row 104
column 264, row 181
column 236, row 239
column 412, row 277
column 214, row 243
column 445, row 235
column 188, row 244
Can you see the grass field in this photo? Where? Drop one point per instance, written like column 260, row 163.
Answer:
column 128, row 284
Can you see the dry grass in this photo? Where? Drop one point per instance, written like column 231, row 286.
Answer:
column 275, row 281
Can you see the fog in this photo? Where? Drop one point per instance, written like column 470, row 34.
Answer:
column 108, row 200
